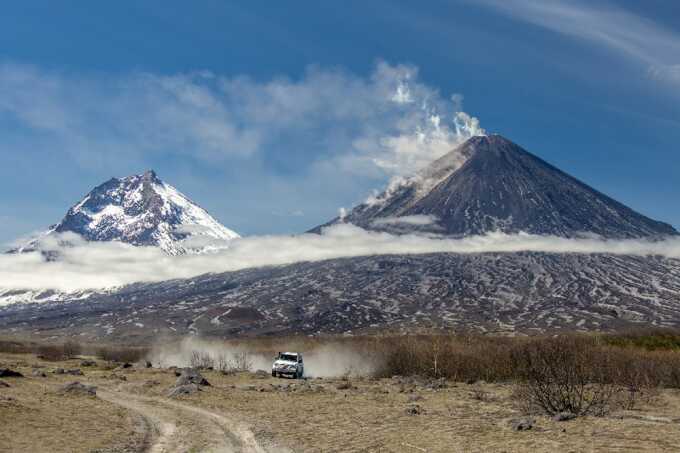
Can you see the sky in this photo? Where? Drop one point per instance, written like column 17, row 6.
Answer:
column 275, row 116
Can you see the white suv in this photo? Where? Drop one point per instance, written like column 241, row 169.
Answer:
column 288, row 363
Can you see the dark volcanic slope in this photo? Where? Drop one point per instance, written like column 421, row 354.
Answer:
column 502, row 187
column 484, row 292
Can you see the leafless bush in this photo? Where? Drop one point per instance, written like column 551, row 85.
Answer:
column 50, row 352
column 241, row 361
column 564, row 374
column 201, row 360
column 223, row 364
column 121, row 354
column 72, row 349
column 15, row 347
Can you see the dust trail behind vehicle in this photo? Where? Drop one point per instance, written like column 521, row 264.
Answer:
column 322, row 358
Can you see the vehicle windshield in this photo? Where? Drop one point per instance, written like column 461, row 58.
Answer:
column 288, row 357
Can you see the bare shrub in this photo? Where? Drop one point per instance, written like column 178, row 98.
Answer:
column 461, row 358
column 50, row 352
column 15, row 347
column 564, row 374
column 223, row 364
column 241, row 361
column 201, row 360
column 121, row 354
column 72, row 349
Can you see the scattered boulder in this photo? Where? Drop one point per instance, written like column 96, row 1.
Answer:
column 191, row 376
column 76, row 388
column 415, row 409
column 85, row 363
column 74, row 372
column 4, row 384
column 38, row 373
column 522, row 424
column 180, row 390
column 564, row 416
column 151, row 383
column 58, row 371
column 143, row 364
column 6, row 372
column 124, row 366
column 119, row 377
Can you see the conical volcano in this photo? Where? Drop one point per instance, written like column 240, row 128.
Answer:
column 491, row 184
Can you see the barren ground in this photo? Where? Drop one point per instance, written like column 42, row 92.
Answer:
column 245, row 413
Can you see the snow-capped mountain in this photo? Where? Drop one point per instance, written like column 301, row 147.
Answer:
column 143, row 210
column 491, row 184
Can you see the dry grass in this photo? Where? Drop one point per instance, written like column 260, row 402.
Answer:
column 370, row 415
column 35, row 418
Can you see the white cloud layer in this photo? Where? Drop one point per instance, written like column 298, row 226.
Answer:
column 85, row 265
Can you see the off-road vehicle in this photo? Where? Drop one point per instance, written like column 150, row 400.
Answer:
column 288, row 364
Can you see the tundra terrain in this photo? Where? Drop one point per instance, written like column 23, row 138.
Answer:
column 132, row 411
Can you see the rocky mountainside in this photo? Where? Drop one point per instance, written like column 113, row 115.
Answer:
column 143, row 210
column 488, row 184
column 486, row 292
column 491, row 184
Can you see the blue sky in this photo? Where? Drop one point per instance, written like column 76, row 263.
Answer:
column 273, row 116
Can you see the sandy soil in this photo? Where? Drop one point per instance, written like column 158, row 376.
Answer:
column 245, row 413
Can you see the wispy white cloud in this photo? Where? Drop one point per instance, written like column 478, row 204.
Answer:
column 389, row 121
column 635, row 37
column 83, row 265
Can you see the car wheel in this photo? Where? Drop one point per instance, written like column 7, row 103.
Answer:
column 273, row 373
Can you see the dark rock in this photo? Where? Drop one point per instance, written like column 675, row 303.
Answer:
column 564, row 416
column 6, row 372
column 59, row 371
column 415, row 409
column 86, row 363
column 143, row 364
column 74, row 372
column 4, row 384
column 38, row 373
column 76, row 388
column 191, row 376
column 187, row 389
column 522, row 424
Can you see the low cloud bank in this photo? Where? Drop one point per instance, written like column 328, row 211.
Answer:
column 68, row 263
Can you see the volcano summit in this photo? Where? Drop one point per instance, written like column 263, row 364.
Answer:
column 490, row 184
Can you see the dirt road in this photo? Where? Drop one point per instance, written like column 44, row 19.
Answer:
column 178, row 427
